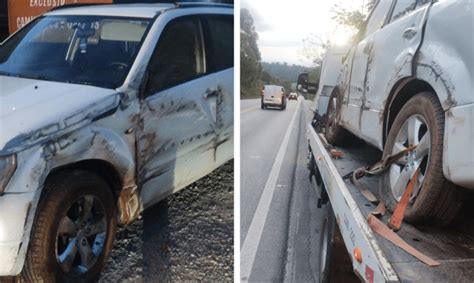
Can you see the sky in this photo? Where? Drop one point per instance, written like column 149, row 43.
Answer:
column 282, row 26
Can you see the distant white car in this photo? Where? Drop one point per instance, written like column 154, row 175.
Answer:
column 273, row 96
column 409, row 82
column 105, row 111
column 292, row 96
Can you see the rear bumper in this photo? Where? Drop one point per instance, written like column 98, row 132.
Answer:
column 274, row 102
column 458, row 152
column 273, row 105
column 14, row 210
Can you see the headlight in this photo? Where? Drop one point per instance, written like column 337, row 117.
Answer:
column 7, row 168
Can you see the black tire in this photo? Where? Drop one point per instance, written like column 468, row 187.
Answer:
column 335, row 133
column 61, row 199
column 436, row 200
column 326, row 243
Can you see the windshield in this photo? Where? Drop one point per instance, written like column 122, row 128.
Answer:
column 88, row 50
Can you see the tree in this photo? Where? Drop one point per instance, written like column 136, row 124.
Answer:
column 266, row 77
column 250, row 59
column 314, row 48
column 354, row 19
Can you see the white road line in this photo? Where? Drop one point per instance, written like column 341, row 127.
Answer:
column 254, row 234
column 249, row 109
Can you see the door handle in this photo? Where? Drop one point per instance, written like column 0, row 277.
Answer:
column 410, row 32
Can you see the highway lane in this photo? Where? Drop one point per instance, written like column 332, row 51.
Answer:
column 279, row 219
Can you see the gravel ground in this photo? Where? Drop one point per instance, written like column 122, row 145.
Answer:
column 188, row 236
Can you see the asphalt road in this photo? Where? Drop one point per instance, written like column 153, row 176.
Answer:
column 279, row 219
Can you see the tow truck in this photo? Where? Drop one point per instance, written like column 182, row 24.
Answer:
column 377, row 255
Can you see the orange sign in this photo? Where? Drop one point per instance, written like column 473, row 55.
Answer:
column 20, row 12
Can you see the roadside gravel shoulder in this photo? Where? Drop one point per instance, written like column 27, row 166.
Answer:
column 187, row 236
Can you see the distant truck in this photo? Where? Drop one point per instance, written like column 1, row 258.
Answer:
column 330, row 70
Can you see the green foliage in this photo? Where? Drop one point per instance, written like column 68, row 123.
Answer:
column 354, row 19
column 266, row 77
column 281, row 74
column 283, row 71
column 250, row 66
column 314, row 48
column 350, row 18
column 314, row 74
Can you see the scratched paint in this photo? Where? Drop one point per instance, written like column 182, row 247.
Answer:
column 156, row 146
column 417, row 49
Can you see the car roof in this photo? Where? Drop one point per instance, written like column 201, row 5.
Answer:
column 126, row 10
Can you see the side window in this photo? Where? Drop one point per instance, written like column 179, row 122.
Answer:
column 178, row 56
column 219, row 43
column 402, row 8
column 377, row 18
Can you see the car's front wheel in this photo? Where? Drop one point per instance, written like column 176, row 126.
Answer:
column 434, row 199
column 73, row 230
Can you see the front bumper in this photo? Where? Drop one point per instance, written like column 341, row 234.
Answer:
column 14, row 210
column 458, row 152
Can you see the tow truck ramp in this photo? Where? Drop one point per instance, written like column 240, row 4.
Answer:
column 375, row 259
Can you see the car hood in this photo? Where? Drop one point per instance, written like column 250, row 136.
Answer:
column 32, row 111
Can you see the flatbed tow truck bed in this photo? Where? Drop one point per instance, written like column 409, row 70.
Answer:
column 452, row 246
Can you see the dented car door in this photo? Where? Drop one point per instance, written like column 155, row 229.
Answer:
column 354, row 103
column 219, row 50
column 394, row 48
column 178, row 115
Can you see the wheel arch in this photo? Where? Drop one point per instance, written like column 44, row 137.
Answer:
column 101, row 151
column 401, row 92
column 100, row 167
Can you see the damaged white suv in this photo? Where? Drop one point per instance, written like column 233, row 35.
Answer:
column 104, row 111
column 409, row 82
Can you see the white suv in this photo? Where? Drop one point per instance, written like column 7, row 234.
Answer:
column 409, row 81
column 106, row 110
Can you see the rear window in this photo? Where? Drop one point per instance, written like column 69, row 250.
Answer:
column 273, row 90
